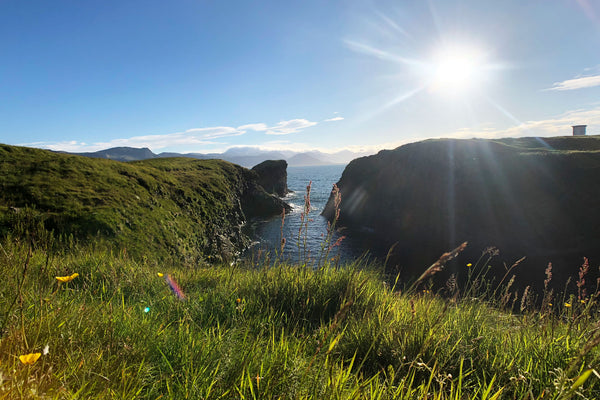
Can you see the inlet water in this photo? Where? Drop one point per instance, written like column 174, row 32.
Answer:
column 308, row 239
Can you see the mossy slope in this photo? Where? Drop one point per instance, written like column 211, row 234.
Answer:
column 169, row 208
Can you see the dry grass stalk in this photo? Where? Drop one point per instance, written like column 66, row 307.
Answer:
column 439, row 264
column 583, row 270
column 524, row 299
column 548, row 276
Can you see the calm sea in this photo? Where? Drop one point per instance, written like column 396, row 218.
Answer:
column 268, row 233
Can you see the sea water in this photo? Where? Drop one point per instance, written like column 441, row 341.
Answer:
column 307, row 238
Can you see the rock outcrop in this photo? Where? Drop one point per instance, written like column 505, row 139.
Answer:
column 272, row 176
column 258, row 202
column 533, row 197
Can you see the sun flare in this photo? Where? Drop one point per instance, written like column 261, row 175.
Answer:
column 456, row 69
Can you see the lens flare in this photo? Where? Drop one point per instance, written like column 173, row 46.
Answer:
column 174, row 287
column 457, row 69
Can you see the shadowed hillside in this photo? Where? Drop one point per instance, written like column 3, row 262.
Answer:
column 529, row 197
column 182, row 208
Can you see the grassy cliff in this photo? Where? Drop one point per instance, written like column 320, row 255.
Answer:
column 163, row 208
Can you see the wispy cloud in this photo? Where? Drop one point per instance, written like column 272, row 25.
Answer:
column 154, row 142
column 282, row 128
column 577, row 83
column 295, row 147
column 288, row 127
column 334, row 119
column 561, row 125
column 195, row 137
column 254, row 127
column 213, row 132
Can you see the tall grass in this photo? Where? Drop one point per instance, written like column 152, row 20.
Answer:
column 311, row 329
column 342, row 332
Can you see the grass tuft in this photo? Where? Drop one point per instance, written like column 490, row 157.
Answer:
column 117, row 331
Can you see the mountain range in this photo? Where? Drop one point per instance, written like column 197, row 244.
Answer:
column 244, row 156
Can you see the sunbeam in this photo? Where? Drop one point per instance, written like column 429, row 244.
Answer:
column 381, row 54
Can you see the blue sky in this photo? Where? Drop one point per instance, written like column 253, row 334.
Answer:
column 204, row 76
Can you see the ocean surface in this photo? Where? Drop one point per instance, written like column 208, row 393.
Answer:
column 268, row 233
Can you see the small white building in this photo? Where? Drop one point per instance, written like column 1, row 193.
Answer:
column 579, row 130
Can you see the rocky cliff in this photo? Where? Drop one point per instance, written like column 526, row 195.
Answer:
column 272, row 176
column 534, row 197
column 185, row 209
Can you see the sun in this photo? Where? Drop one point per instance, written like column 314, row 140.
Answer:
column 456, row 69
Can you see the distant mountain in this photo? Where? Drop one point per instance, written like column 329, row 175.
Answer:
column 244, row 156
column 248, row 156
column 306, row 159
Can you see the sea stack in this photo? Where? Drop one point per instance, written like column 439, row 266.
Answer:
column 272, row 176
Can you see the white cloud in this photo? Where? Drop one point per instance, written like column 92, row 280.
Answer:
column 254, row 127
column 334, row 119
column 560, row 125
column 192, row 137
column 215, row 132
column 577, row 83
column 70, row 146
column 291, row 126
column 196, row 140
column 295, row 147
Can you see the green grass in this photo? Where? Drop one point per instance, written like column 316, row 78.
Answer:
column 287, row 331
column 181, row 209
column 251, row 330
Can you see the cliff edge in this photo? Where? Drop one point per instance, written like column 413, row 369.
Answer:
column 534, row 197
column 184, row 209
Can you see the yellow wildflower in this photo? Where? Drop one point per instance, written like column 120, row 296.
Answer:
column 582, row 301
column 160, row 274
column 67, row 278
column 469, row 265
column 29, row 359
column 238, row 300
column 567, row 305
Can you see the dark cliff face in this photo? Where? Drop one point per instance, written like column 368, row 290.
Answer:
column 256, row 201
column 528, row 197
column 272, row 176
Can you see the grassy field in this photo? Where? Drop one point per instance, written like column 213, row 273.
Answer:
column 122, row 329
